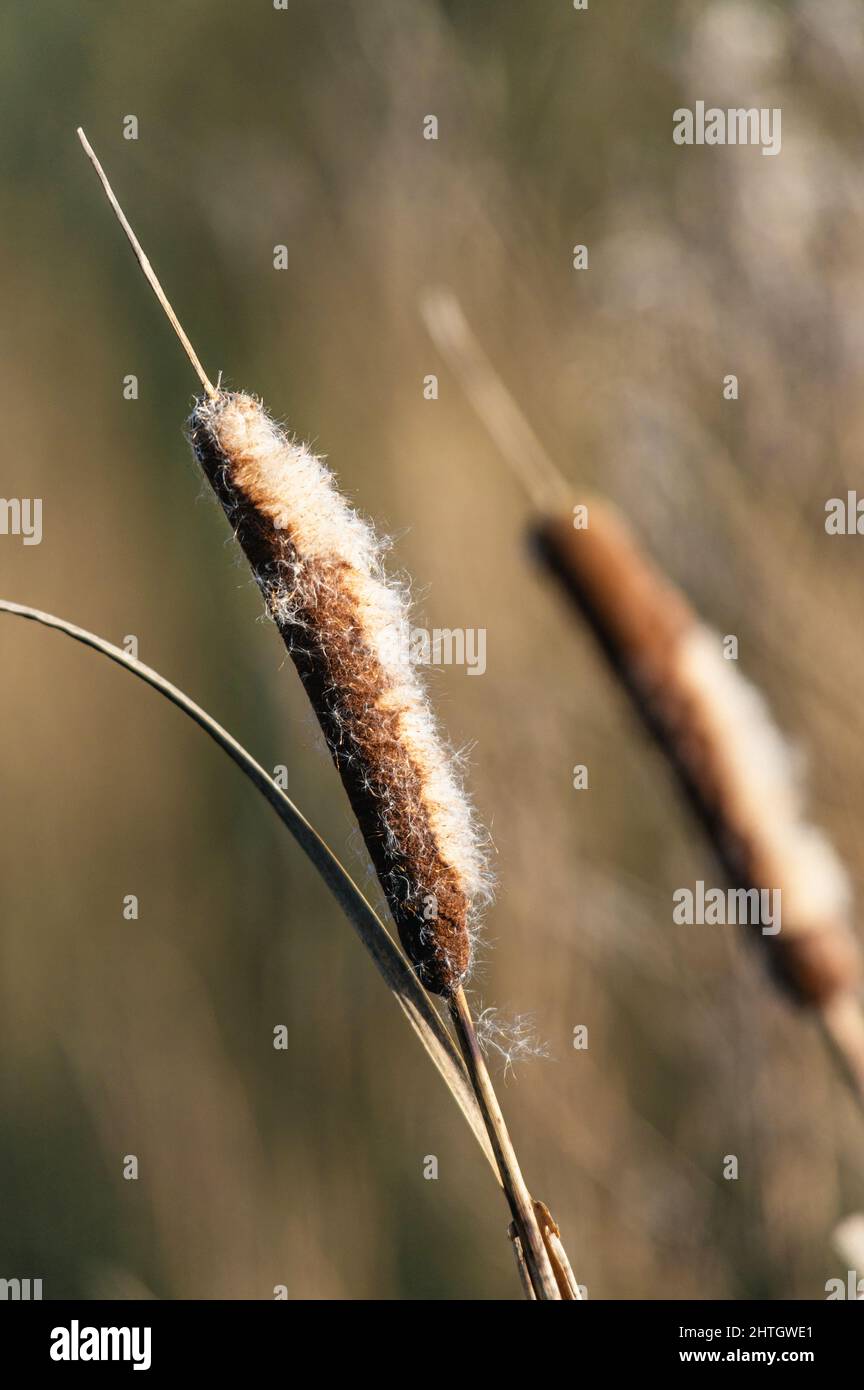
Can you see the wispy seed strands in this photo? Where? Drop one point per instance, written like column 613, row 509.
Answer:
column 320, row 569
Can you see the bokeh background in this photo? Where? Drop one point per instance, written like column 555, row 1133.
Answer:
column 153, row 1037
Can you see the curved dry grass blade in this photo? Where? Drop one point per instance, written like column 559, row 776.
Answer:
column 388, row 959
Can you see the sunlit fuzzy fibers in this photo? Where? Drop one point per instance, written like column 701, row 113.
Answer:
column 319, row 566
column 761, row 786
column 512, row 1040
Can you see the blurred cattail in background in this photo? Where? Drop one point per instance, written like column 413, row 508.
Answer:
column 713, row 725
column 715, row 728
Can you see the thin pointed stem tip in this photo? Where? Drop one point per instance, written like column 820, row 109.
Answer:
column 147, row 268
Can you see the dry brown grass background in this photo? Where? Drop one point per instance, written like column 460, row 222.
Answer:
column 153, row 1037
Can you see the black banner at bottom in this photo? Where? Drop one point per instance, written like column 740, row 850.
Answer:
column 153, row 1338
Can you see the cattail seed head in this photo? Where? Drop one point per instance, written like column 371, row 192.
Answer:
column 319, row 567
column 717, row 731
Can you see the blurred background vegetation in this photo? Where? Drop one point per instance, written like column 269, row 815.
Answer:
column 153, row 1037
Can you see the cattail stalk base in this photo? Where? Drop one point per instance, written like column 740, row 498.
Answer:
column 522, row 1207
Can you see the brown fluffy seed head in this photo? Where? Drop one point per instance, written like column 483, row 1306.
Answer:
column 719, row 735
column 319, row 567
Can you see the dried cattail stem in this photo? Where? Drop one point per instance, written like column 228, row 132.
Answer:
column 718, row 734
column 319, row 568
column 521, row 1263
column 561, row 1267
column 524, row 1209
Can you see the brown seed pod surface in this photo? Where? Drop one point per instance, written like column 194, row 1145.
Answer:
column 717, row 732
column 319, row 567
